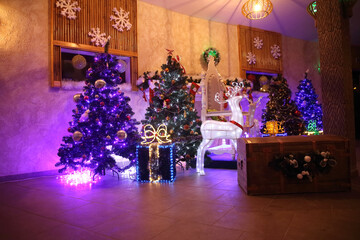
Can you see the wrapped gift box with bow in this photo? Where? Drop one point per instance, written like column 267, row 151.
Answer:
column 155, row 156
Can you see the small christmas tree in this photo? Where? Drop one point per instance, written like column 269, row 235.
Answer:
column 282, row 109
column 102, row 124
column 306, row 100
column 173, row 105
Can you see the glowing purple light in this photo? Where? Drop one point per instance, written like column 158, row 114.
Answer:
column 79, row 177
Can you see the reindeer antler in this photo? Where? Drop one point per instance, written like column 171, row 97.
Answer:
column 235, row 89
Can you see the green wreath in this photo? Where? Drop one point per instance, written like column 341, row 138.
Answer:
column 213, row 52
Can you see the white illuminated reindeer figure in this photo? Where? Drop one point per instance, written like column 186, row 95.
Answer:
column 211, row 129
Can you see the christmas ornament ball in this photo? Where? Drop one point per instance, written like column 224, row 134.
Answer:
column 307, row 159
column 299, row 176
column 121, row 134
column 78, row 62
column 100, row 83
column 77, row 97
column 121, row 66
column 108, row 137
column 77, row 136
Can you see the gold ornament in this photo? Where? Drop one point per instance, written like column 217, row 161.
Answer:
column 78, row 62
column 96, row 96
column 77, row 97
column 100, row 83
column 108, row 137
column 77, row 136
column 121, row 134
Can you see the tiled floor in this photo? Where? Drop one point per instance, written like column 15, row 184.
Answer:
column 194, row 207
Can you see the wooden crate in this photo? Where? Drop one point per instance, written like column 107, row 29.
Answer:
column 256, row 177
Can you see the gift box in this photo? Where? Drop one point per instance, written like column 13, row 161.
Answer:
column 155, row 163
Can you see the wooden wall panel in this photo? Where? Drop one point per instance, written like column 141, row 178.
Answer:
column 73, row 33
column 264, row 60
column 56, row 67
column 93, row 14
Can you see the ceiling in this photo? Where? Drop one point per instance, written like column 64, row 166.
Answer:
column 288, row 17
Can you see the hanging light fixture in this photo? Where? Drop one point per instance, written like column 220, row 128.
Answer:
column 257, row 9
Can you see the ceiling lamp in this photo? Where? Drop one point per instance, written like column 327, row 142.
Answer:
column 257, row 9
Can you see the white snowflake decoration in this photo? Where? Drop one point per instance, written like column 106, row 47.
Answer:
column 98, row 38
column 275, row 51
column 258, row 43
column 251, row 58
column 121, row 19
column 68, row 8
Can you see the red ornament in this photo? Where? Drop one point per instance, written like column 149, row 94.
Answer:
column 297, row 113
column 167, row 101
column 186, row 127
column 102, row 104
column 86, row 98
column 187, row 156
column 69, row 129
column 128, row 117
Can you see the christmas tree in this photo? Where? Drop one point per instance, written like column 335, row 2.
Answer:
column 282, row 109
column 173, row 104
column 102, row 125
column 306, row 100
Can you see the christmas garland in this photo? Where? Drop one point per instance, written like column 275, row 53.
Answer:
column 213, row 52
column 304, row 166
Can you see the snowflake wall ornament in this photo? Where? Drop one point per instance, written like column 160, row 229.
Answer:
column 99, row 39
column 258, row 43
column 68, row 8
column 275, row 51
column 251, row 58
column 121, row 19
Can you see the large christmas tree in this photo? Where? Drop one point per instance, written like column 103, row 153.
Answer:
column 308, row 105
column 173, row 105
column 282, row 109
column 102, row 124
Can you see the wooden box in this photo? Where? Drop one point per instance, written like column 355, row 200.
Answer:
column 255, row 176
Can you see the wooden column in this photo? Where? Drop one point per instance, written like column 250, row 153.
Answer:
column 336, row 72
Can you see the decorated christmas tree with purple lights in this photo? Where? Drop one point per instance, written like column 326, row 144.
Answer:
column 308, row 105
column 102, row 125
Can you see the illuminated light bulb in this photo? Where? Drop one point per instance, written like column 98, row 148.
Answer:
column 257, row 7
